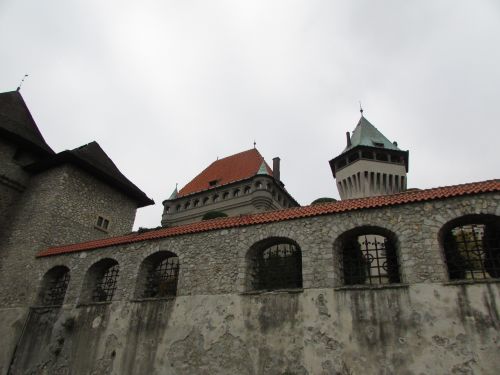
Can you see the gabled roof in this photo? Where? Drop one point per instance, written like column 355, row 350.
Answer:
column 365, row 134
column 287, row 214
column 17, row 123
column 233, row 168
column 92, row 158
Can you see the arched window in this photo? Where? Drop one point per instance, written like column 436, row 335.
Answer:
column 236, row 192
column 225, row 195
column 205, row 200
column 158, row 276
column 368, row 256
column 215, row 198
column 54, row 285
column 247, row 190
column 187, row 204
column 101, row 279
column 258, row 185
column 274, row 263
column 472, row 247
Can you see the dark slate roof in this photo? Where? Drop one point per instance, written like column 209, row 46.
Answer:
column 365, row 134
column 17, row 123
column 332, row 208
column 92, row 158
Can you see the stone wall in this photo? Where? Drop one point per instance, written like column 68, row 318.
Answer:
column 60, row 206
column 425, row 325
column 13, row 179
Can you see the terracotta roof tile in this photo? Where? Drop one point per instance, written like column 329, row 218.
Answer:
column 287, row 214
column 233, row 168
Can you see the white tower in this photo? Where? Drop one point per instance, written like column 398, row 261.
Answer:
column 370, row 164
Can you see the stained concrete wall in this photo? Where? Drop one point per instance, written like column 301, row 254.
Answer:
column 425, row 325
column 422, row 329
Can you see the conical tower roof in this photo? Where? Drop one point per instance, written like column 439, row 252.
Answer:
column 365, row 134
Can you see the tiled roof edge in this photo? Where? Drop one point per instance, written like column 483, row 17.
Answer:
column 286, row 214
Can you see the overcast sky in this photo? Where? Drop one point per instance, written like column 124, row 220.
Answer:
column 166, row 87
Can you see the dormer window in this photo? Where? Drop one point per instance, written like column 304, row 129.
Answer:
column 212, row 183
column 102, row 223
column 378, row 144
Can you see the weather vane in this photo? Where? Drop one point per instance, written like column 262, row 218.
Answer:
column 21, row 83
column 360, row 108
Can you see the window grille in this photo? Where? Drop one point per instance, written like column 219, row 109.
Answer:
column 106, row 285
column 57, row 289
column 369, row 259
column 162, row 279
column 279, row 267
column 472, row 252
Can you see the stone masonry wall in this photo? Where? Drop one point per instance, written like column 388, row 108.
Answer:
column 425, row 325
column 13, row 181
column 60, row 206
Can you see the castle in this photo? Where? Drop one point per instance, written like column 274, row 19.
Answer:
column 384, row 281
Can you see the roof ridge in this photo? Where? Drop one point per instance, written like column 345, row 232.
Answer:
column 285, row 214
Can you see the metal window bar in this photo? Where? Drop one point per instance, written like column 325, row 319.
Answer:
column 162, row 279
column 106, row 286
column 369, row 259
column 471, row 254
column 279, row 267
column 57, row 290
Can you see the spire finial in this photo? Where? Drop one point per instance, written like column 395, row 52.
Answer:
column 21, row 83
column 360, row 108
column 254, row 144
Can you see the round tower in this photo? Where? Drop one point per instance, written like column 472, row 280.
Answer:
column 370, row 164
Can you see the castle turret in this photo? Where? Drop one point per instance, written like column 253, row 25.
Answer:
column 370, row 164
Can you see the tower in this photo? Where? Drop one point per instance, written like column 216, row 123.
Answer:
column 370, row 164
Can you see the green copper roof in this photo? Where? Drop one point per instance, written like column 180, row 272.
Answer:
column 174, row 194
column 365, row 134
column 263, row 169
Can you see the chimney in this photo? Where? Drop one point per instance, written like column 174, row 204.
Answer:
column 348, row 135
column 276, row 168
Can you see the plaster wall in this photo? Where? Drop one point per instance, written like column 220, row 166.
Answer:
column 269, row 196
column 422, row 329
column 364, row 187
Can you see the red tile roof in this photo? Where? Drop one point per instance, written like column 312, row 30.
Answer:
column 287, row 214
column 233, row 168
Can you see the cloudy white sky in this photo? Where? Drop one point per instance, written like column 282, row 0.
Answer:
column 166, row 87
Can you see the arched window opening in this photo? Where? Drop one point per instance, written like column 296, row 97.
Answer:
column 205, row 200
column 236, row 192
column 101, row 281
column 472, row 248
column 225, row 195
column 246, row 190
column 273, row 264
column 368, row 256
column 54, row 286
column 159, row 275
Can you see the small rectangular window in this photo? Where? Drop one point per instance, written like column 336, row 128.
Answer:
column 102, row 223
